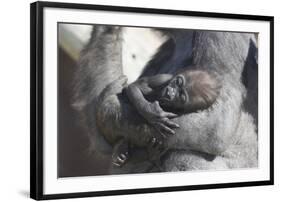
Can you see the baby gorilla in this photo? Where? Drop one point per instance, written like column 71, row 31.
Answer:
column 164, row 96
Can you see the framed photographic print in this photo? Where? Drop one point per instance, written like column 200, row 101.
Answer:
column 134, row 100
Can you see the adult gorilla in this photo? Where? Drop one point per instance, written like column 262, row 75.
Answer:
column 218, row 138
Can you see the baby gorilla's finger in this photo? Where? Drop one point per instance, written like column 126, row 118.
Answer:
column 163, row 135
column 171, row 124
column 170, row 115
column 166, row 129
column 159, row 128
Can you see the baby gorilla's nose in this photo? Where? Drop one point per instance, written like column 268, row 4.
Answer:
column 170, row 93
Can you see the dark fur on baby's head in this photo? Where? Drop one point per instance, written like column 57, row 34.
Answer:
column 202, row 86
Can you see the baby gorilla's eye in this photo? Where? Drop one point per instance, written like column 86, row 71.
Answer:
column 179, row 81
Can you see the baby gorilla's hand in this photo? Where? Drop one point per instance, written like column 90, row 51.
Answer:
column 159, row 119
column 120, row 154
column 120, row 159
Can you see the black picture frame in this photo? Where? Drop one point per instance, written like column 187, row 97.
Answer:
column 37, row 98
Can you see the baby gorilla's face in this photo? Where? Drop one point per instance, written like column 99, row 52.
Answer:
column 175, row 95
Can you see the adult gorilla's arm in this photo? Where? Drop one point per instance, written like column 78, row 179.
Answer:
column 100, row 63
column 212, row 131
column 223, row 53
column 225, row 128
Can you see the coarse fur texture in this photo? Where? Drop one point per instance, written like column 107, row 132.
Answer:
column 156, row 99
column 95, row 72
column 222, row 136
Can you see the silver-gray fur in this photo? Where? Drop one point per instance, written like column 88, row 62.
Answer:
column 224, row 136
column 100, row 63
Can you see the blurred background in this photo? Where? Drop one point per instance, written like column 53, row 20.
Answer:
column 139, row 44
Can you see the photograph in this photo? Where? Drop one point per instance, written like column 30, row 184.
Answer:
column 128, row 100
column 142, row 100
